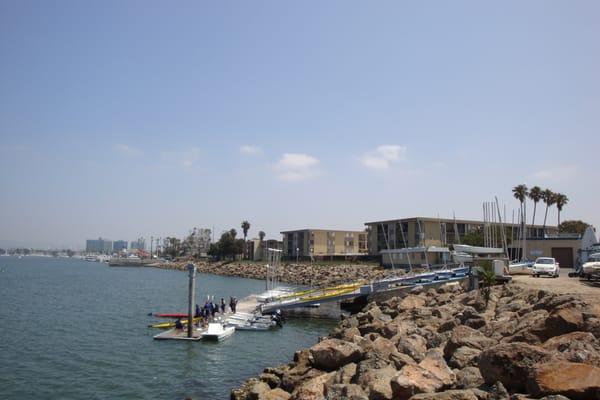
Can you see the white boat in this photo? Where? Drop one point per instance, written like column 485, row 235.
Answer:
column 466, row 249
column 591, row 269
column 460, row 257
column 216, row 331
column 520, row 268
column 273, row 294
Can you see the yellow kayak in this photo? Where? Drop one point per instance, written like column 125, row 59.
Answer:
column 166, row 325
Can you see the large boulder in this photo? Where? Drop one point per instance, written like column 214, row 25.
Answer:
column 468, row 378
column 463, row 357
column 447, row 395
column 414, row 345
column 414, row 379
column 574, row 380
column 510, row 363
column 345, row 374
column 312, row 389
column 465, row 336
column 275, row 394
column 331, row 354
column 580, row 347
column 434, row 363
column 411, row 302
column 377, row 382
column 345, row 391
column 563, row 320
column 384, row 348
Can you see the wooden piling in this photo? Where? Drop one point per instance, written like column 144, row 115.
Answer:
column 191, row 297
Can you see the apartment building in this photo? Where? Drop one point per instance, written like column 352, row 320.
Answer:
column 305, row 243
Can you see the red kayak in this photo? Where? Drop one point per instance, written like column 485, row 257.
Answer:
column 171, row 315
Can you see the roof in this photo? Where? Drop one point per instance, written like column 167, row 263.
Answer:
column 323, row 230
column 448, row 220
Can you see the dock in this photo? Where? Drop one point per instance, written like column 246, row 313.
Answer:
column 181, row 334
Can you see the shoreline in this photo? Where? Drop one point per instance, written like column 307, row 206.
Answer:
column 315, row 275
column 448, row 344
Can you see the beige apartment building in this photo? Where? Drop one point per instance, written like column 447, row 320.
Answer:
column 304, row 243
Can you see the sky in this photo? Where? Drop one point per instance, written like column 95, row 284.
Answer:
column 123, row 119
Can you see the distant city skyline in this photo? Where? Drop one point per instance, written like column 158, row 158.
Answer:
column 121, row 121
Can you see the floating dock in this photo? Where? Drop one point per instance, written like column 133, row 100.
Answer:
column 181, row 334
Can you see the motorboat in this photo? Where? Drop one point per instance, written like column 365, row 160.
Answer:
column 591, row 269
column 520, row 267
column 216, row 331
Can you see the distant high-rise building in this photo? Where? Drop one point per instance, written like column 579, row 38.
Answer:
column 99, row 245
column 139, row 244
column 119, row 246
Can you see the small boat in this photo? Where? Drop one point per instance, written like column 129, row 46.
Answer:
column 255, row 326
column 166, row 325
column 591, row 269
column 465, row 248
column 520, row 268
column 173, row 315
column 216, row 331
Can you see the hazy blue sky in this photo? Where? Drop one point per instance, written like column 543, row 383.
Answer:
column 127, row 118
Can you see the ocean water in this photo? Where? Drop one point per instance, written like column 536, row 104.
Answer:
column 71, row 329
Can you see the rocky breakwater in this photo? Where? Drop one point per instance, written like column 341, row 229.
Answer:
column 446, row 344
column 317, row 275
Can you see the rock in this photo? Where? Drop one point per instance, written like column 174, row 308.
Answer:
column 400, row 360
column 345, row 392
column 574, row 380
column 415, row 346
column 510, row 363
column 270, row 379
column 384, row 348
column 413, row 379
column 411, row 302
column 555, row 397
column 275, row 394
column 498, row 392
column 295, row 377
column 465, row 336
column 348, row 333
column 331, row 354
column 581, row 347
column 345, row 374
column 448, row 325
column 447, row 395
column 464, row 356
column 313, row 389
column 258, row 390
column 434, row 363
column 468, row 378
column 563, row 321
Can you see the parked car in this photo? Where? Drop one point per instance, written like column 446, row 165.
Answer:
column 545, row 266
column 591, row 269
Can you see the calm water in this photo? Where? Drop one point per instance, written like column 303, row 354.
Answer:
column 71, row 329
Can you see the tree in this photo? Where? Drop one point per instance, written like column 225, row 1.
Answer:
column 520, row 193
column 561, row 201
column 261, row 235
column 573, row 226
column 70, row 253
column 173, row 247
column 488, row 276
column 232, row 232
column 2, row 251
column 548, row 198
column 245, row 228
column 535, row 194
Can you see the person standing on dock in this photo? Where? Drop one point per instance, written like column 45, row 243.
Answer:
column 222, row 306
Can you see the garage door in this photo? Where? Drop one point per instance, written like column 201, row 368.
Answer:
column 564, row 256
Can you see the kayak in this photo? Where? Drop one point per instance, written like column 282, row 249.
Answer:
column 173, row 315
column 166, row 325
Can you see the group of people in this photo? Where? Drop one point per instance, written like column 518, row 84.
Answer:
column 208, row 311
column 211, row 308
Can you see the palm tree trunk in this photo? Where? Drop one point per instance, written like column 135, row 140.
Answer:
column 545, row 217
column 558, row 218
column 533, row 219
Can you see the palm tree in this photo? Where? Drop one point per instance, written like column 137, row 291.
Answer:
column 535, row 194
column 245, row 228
column 520, row 193
column 233, row 233
column 261, row 235
column 548, row 197
column 561, row 200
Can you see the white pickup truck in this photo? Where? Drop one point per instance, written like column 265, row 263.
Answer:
column 545, row 266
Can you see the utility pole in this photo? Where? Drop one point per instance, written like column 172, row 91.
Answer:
column 191, row 295
column 151, row 240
